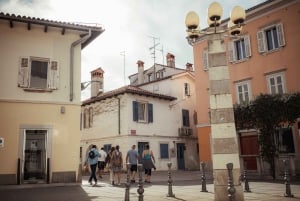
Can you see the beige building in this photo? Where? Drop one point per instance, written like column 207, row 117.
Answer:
column 159, row 111
column 40, row 74
column 264, row 59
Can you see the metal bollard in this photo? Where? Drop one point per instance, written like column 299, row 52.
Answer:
column 230, row 189
column 127, row 189
column 288, row 192
column 170, row 192
column 247, row 189
column 203, row 178
column 140, row 189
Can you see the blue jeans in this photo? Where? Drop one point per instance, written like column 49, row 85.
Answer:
column 93, row 173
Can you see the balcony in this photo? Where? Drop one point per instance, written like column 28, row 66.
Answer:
column 185, row 131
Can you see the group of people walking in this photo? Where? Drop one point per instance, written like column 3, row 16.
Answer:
column 114, row 161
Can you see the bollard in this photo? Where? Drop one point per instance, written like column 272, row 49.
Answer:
column 127, row 198
column 288, row 192
column 140, row 189
column 231, row 189
column 247, row 189
column 170, row 192
column 203, row 178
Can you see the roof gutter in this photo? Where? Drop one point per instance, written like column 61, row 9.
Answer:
column 73, row 45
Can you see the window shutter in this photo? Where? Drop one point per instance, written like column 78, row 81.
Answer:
column 135, row 110
column 205, row 60
column 24, row 70
column 231, row 50
column 150, row 113
column 261, row 41
column 281, row 39
column 247, row 46
column 185, row 118
column 53, row 73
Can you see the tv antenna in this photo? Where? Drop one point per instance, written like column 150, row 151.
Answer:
column 153, row 53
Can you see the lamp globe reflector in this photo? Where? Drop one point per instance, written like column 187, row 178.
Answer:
column 237, row 15
column 214, row 11
column 192, row 20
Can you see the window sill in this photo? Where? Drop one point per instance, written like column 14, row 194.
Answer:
column 240, row 61
column 271, row 51
column 38, row 90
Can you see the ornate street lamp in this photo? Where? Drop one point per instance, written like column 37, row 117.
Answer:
column 223, row 133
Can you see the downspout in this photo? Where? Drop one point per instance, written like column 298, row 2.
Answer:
column 73, row 45
column 119, row 115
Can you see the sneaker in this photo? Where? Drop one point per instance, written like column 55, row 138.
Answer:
column 91, row 183
column 113, row 183
column 119, row 184
column 132, row 181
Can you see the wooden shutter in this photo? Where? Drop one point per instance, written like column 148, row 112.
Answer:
column 135, row 110
column 24, row 70
column 205, row 60
column 185, row 118
column 247, row 46
column 150, row 112
column 231, row 50
column 261, row 41
column 53, row 75
column 280, row 33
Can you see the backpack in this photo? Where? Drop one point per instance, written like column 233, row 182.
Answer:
column 91, row 154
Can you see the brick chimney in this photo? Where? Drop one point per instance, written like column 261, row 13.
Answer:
column 96, row 82
column 170, row 60
column 189, row 67
column 140, row 71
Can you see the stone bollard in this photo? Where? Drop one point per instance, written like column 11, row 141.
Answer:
column 140, row 189
column 203, row 178
column 231, row 189
column 288, row 192
column 127, row 189
column 247, row 189
column 170, row 192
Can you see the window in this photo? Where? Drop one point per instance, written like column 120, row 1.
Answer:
column 107, row 147
column 185, row 118
column 150, row 77
column 284, row 140
column 239, row 49
column 270, row 38
column 38, row 73
column 276, row 83
column 187, row 89
column 88, row 118
column 243, row 92
column 164, row 150
column 142, row 112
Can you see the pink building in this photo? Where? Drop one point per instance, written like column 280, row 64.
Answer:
column 264, row 59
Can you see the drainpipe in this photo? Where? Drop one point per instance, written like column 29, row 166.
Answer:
column 74, row 44
column 119, row 115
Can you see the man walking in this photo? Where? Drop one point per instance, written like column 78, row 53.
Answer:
column 132, row 158
column 92, row 159
column 101, row 161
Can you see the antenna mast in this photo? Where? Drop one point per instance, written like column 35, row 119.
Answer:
column 154, row 56
column 123, row 54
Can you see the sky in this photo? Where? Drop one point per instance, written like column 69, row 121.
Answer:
column 132, row 28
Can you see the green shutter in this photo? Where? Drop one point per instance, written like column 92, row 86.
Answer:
column 135, row 110
column 150, row 112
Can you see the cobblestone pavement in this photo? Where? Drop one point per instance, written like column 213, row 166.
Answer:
column 186, row 187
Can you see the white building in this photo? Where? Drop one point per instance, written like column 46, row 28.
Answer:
column 159, row 113
column 40, row 99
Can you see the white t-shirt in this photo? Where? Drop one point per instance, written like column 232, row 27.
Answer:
column 103, row 155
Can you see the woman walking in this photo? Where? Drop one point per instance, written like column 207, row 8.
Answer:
column 148, row 163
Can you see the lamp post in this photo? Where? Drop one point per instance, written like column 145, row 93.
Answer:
column 223, row 133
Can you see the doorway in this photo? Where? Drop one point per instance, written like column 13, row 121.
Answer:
column 35, row 156
column 141, row 147
column 180, row 156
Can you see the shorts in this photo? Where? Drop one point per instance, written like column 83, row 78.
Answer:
column 133, row 168
column 148, row 172
column 101, row 165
